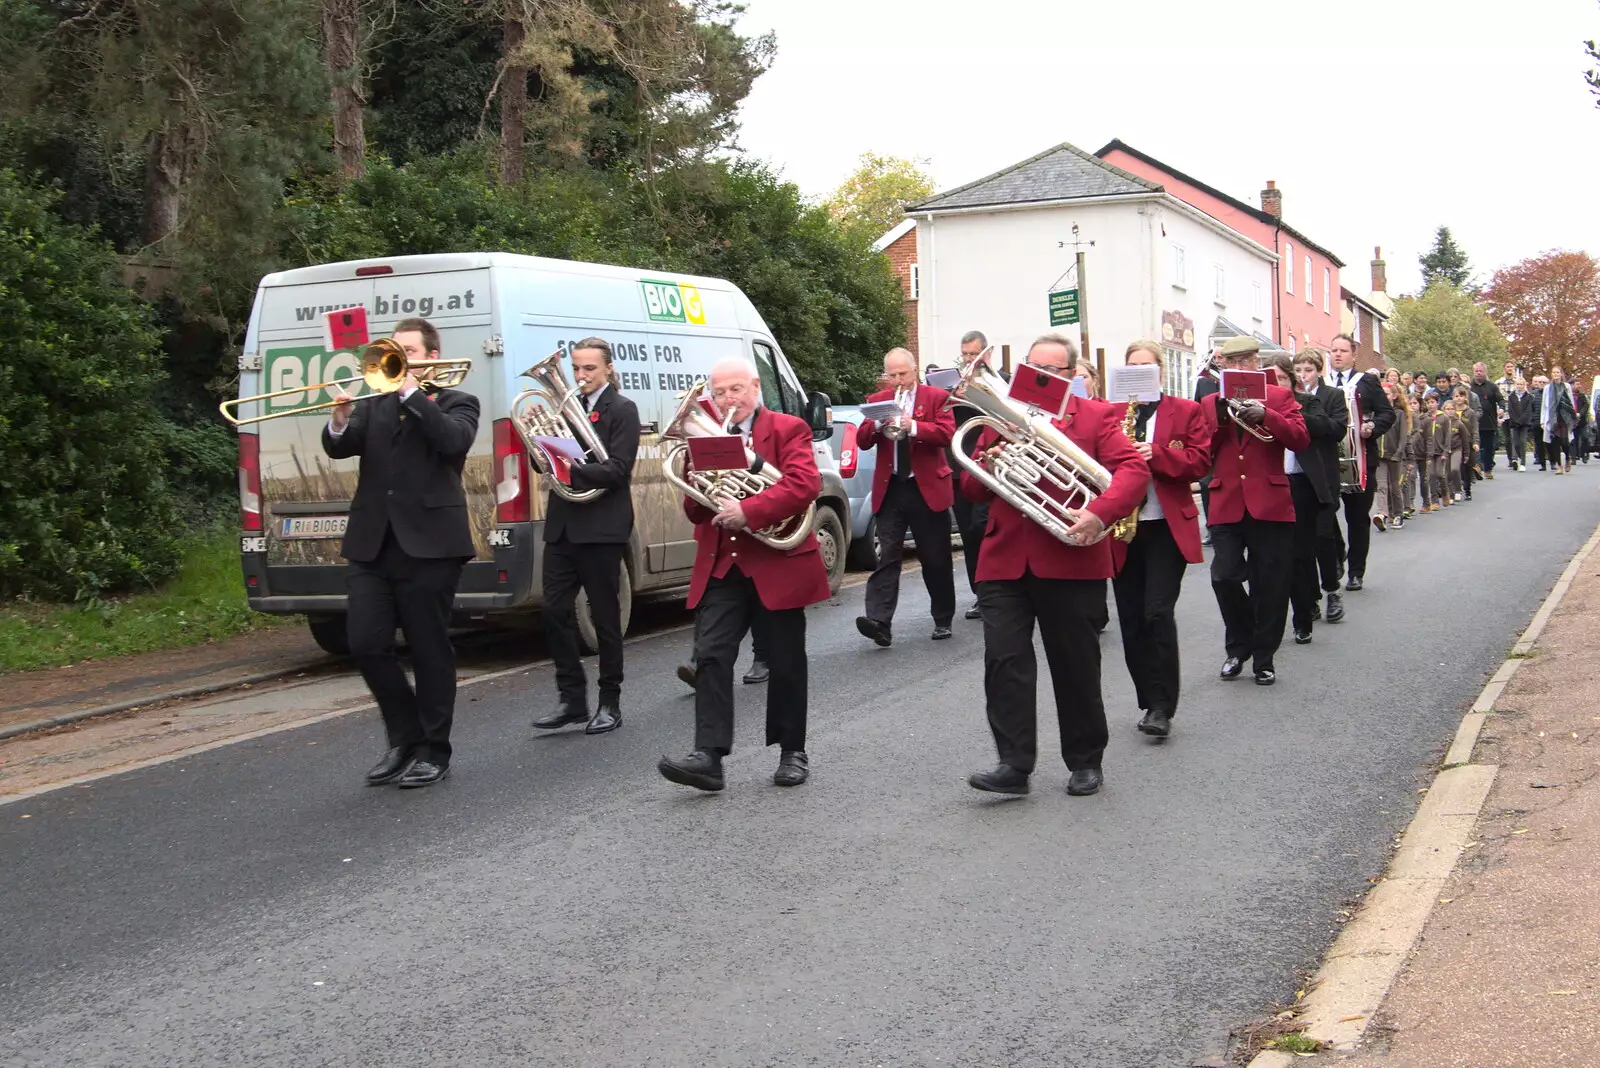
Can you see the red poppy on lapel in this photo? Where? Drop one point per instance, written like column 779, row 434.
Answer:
column 594, row 417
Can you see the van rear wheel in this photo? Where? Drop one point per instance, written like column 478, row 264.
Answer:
column 830, row 540
column 586, row 635
column 330, row 633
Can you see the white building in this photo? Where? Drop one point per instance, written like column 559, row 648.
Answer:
column 989, row 254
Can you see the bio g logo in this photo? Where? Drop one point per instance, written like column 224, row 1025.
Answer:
column 673, row 302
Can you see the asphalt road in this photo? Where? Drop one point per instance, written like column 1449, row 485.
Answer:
column 557, row 903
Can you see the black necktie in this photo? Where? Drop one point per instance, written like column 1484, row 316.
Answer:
column 1142, row 421
column 1340, row 383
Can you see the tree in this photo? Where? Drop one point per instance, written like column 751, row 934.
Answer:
column 873, row 199
column 1445, row 262
column 1549, row 308
column 1442, row 328
column 342, row 51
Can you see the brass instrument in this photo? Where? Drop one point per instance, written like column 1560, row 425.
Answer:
column 383, row 368
column 902, row 399
column 705, row 487
column 1234, row 407
column 1034, row 454
column 1125, row 528
column 1352, row 450
column 551, row 410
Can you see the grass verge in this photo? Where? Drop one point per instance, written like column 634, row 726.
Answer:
column 204, row 602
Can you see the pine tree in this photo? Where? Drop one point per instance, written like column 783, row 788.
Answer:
column 1445, row 262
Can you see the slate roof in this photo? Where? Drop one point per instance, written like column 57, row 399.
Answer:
column 1065, row 172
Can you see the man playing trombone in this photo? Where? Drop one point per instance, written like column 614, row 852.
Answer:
column 407, row 541
column 737, row 575
column 584, row 541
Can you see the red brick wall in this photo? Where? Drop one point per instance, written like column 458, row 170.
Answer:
column 902, row 254
column 1366, row 359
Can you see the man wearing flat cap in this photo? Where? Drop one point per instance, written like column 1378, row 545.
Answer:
column 1252, row 514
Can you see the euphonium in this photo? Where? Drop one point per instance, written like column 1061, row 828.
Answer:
column 1034, row 455
column 1125, row 528
column 1209, row 370
column 705, row 487
column 551, row 410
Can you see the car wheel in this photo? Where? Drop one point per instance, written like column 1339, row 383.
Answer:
column 830, row 540
column 586, row 635
column 864, row 548
column 331, row 634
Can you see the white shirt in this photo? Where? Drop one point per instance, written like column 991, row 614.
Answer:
column 590, row 400
column 1151, row 509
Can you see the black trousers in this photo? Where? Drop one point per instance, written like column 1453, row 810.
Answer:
column 1516, row 445
column 597, row 570
column 1065, row 610
column 728, row 608
column 1316, row 550
column 1358, row 523
column 904, row 507
column 972, row 520
column 1488, row 437
column 1538, row 444
column 416, row 595
column 1261, row 554
column 1147, row 591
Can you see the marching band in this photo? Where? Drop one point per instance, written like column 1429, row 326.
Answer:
column 1059, row 492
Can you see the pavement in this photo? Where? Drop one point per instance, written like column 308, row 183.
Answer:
column 556, row 903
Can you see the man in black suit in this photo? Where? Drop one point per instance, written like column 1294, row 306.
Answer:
column 1377, row 416
column 972, row 517
column 1314, row 485
column 583, row 547
column 407, row 541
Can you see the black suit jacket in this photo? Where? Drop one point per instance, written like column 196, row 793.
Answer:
column 1327, row 417
column 411, row 460
column 608, row 519
column 1205, row 387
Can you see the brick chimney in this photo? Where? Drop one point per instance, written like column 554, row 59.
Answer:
column 1380, row 271
column 1272, row 200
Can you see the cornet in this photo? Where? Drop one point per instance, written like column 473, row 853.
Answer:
column 1234, row 407
column 903, row 400
column 383, row 368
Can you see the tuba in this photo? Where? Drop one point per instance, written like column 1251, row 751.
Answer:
column 551, row 409
column 1209, row 370
column 1034, row 454
column 704, row 487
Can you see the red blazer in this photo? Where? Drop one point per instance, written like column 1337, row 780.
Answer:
column 936, row 425
column 1247, row 475
column 1181, row 454
column 1013, row 544
column 790, row 579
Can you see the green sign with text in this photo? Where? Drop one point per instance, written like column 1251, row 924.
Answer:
column 1064, row 307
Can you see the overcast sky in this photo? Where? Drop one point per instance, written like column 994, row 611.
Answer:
column 1378, row 120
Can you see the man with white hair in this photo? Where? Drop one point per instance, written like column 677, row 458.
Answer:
column 911, row 489
column 736, row 576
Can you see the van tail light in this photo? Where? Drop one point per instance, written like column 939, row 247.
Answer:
column 512, row 491
column 849, row 455
column 249, row 482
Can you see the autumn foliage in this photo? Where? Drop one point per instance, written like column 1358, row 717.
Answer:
column 1549, row 309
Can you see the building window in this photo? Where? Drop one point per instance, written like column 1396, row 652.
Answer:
column 1327, row 283
column 916, row 281
column 1355, row 331
column 1219, row 289
column 1292, row 348
column 1377, row 335
column 1255, row 299
column 1288, row 273
column 1308, row 279
column 1179, row 377
column 1180, row 267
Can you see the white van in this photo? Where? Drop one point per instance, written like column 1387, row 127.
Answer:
column 506, row 312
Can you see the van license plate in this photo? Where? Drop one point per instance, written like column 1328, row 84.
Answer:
column 314, row 526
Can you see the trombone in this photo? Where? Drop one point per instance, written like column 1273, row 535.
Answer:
column 383, row 368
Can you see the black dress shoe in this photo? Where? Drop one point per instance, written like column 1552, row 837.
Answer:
column 941, row 631
column 1156, row 723
column 793, row 768
column 1335, row 608
column 689, row 674
column 1232, row 668
column 871, row 628
column 1266, row 676
column 1316, row 612
column 1084, row 782
column 423, row 773
column 974, row 612
column 1354, row 583
column 1302, row 637
column 699, row 769
column 566, row 712
column 395, row 763
column 1004, row 779
column 758, row 672
column 607, row 718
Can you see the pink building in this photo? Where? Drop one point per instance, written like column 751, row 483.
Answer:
column 1306, row 301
